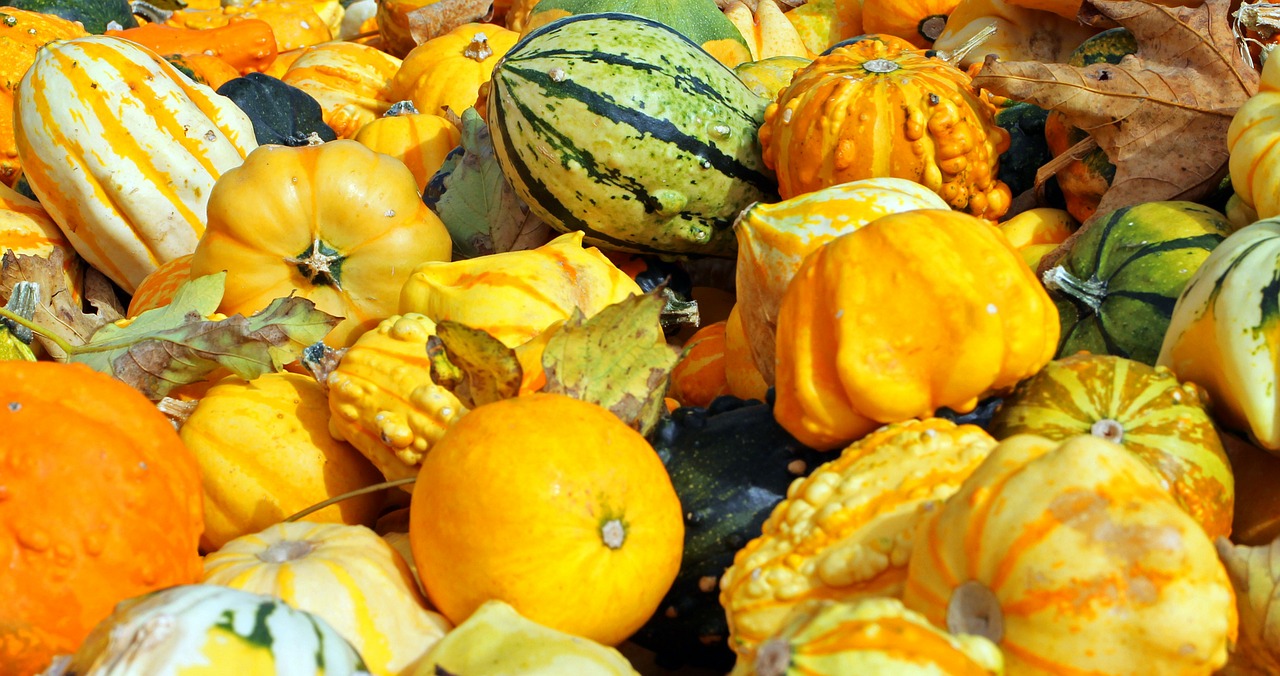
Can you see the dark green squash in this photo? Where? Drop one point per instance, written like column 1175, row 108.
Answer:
column 94, row 15
column 1028, row 150
column 281, row 113
column 730, row 463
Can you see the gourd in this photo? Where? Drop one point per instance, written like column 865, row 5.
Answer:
column 1073, row 559
column 846, row 530
column 1250, row 139
column 295, row 23
column 741, row 375
column 26, row 230
column 1028, row 150
column 919, row 22
column 1036, row 232
column 1021, row 33
column 351, row 81
column 204, row 69
column 767, row 78
column 766, row 30
column 336, row 223
column 420, row 140
column 699, row 376
column 248, row 45
column 773, row 240
column 157, row 289
column 346, row 575
column 101, row 502
column 1116, row 287
column 265, row 453
column 1146, row 410
column 447, row 71
column 910, row 313
column 930, row 127
column 125, row 205
column 182, row 629
column 95, row 16
column 281, row 113
column 1222, row 335
column 822, row 23
column 393, row 25
column 383, row 401
column 515, row 295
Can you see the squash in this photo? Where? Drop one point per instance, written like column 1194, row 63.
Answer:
column 1073, row 558
column 766, row 30
column 1250, row 140
column 1256, row 514
column 204, row 69
column 195, row 627
column 101, row 502
column 336, row 223
column 767, row 78
column 128, row 190
column 922, row 107
column 420, row 140
column 1021, row 33
column 910, row 313
column 1223, row 332
column 25, row 229
column 265, row 453
column 1116, row 287
column 96, row 16
column 345, row 574
column 393, row 25
column 1036, row 232
column 351, row 81
column 871, row 636
column 740, row 372
column 773, row 240
column 515, row 295
column 447, row 71
column 1161, row 421
column 1028, row 150
column 583, row 530
column 919, row 22
column 845, row 531
column 281, row 114
column 699, row 376
column 247, row 45
column 822, row 23
column 295, row 23
column 157, row 289
column 496, row 640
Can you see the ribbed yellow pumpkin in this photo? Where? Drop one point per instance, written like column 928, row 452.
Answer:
column 420, row 140
column 447, row 71
column 351, row 81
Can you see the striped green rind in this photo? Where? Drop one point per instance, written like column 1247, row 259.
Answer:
column 1115, row 290
column 699, row 20
column 620, row 127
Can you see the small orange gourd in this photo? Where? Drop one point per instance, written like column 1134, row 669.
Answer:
column 699, row 376
column 248, row 45
column 420, row 140
column 157, row 289
column 447, row 71
column 919, row 22
column 351, row 81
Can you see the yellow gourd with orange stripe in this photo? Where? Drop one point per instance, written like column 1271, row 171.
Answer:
column 123, row 151
column 351, row 81
column 420, row 140
column 699, row 376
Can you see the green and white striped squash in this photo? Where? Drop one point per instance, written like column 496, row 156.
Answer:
column 1115, row 289
column 1143, row 408
column 1225, row 332
column 620, row 127
column 210, row 630
column 122, row 150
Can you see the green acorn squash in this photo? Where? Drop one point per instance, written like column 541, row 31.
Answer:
column 281, row 113
column 94, row 15
column 1028, row 150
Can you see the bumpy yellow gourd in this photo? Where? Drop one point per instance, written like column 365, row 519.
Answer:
column 1251, row 141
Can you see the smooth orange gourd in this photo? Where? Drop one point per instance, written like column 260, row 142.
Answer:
column 351, row 82
column 447, row 71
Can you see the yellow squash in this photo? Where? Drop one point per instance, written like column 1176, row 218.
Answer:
column 447, row 71
column 351, row 81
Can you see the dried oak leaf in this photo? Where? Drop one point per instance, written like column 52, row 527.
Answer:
column 57, row 309
column 1160, row 115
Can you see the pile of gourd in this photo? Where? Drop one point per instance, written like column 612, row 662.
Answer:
column 899, row 440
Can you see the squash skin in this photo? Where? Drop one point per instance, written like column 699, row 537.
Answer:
column 351, row 81
column 26, row 229
column 1090, row 563
column 129, row 189
column 281, row 113
column 699, row 376
column 919, row 22
column 1253, row 164
column 447, row 71
column 248, row 45
column 1036, row 232
column 420, row 140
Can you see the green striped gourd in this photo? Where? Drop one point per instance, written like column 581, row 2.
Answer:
column 1142, row 408
column 620, row 127
column 1115, row 289
column 122, row 150
column 211, row 629
column 1225, row 332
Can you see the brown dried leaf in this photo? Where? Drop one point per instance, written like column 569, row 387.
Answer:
column 58, row 311
column 1161, row 115
column 491, row 369
column 436, row 19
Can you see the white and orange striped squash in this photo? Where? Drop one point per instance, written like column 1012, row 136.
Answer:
column 773, row 240
column 123, row 150
column 346, row 575
column 351, row 81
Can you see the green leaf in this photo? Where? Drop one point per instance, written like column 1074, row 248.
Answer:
column 175, row 345
column 618, row 359
column 478, row 206
column 492, row 370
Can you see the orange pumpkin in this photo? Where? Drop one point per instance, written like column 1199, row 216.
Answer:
column 157, row 289
column 699, row 376
column 351, row 81
column 919, row 22
column 100, row 500
column 294, row 23
column 247, row 45
column 447, row 71
column 743, row 378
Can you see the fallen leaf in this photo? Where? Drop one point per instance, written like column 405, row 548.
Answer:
column 175, row 345
column 58, row 311
column 490, row 369
column 618, row 359
column 1160, row 115
column 1255, row 574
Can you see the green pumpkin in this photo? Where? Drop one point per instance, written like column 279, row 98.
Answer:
column 281, row 113
column 94, row 15
column 1028, row 150
column 1116, row 288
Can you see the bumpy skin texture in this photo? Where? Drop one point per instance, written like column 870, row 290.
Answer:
column 873, row 108
column 845, row 531
column 910, row 313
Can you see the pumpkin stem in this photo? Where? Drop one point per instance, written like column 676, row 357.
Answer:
column 1090, row 291
column 1108, row 429
column 478, row 49
column 880, row 66
column 974, row 609
column 320, row 360
column 348, row 495
column 286, row 551
column 931, row 27
column 773, row 658
column 401, row 108
column 320, row 264
column 613, row 533
column 677, row 312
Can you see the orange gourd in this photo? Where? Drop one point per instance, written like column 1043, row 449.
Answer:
column 699, row 376
column 743, row 378
column 294, row 23
column 919, row 22
column 204, row 69
column 100, row 502
column 350, row 81
column 420, row 140
column 157, row 289
column 447, row 71
column 26, row 229
column 248, row 45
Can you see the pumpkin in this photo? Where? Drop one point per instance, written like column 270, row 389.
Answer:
column 21, row 34
column 766, row 78
column 910, row 313
column 1250, row 140
column 94, row 15
column 1021, row 34
column 1073, row 558
column 351, row 82
column 515, row 295
column 699, row 376
column 1223, row 334
column 128, row 190
column 496, row 640
column 871, row 636
column 919, row 22
column 1256, row 513
column 766, row 30
column 583, row 531
column 215, row 629
column 1036, row 232
column 1144, row 409
column 265, row 453
column 822, row 23
column 281, row 114
column 101, row 502
column 383, row 401
column 1116, row 287
column 247, row 45
column 157, row 289
column 420, row 140
column 447, row 71
column 345, row 574
column 845, row 531
column 929, row 127
column 740, row 372
column 210, row 71
column 294, row 23
column 773, row 240
column 25, row 229
column 336, row 223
